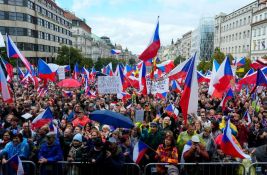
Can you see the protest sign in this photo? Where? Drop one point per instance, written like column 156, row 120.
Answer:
column 109, row 85
column 139, row 115
column 159, row 86
column 61, row 73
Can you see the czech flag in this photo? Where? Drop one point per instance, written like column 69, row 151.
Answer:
column 4, row 87
column 13, row 52
column 67, row 68
column 190, row 93
column 175, row 86
column 215, row 68
column 124, row 96
column 229, row 95
column 142, row 79
column 166, row 66
column 44, row 71
column 180, row 71
column 108, row 70
column 229, row 146
column 259, row 64
column 41, row 92
column 161, row 95
column 261, row 79
column 21, row 74
column 14, row 165
column 223, row 77
column 202, row 78
column 9, row 68
column 247, row 118
column 76, row 72
column 90, row 94
column 67, row 93
column 171, row 109
column 139, row 151
column 127, row 70
column 43, row 118
column 152, row 49
column 115, row 52
column 240, row 62
column 251, row 77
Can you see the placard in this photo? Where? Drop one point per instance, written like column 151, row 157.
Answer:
column 109, row 85
column 61, row 73
column 139, row 115
column 160, row 86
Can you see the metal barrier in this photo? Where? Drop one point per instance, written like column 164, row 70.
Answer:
column 28, row 166
column 259, row 168
column 80, row 168
column 209, row 168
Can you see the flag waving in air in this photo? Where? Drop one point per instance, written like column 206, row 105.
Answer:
column 152, row 50
column 229, row 95
column 4, row 87
column 14, row 165
column 43, row 118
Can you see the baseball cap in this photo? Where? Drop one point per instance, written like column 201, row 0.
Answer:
column 195, row 138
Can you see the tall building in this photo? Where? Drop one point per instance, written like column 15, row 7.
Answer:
column 259, row 27
column 38, row 27
column 233, row 31
column 203, row 39
column 81, row 34
column 186, row 44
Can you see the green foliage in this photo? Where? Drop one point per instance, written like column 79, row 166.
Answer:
column 178, row 60
column 218, row 55
column 69, row 55
column 101, row 62
column 131, row 62
column 204, row 65
column 87, row 62
column 3, row 54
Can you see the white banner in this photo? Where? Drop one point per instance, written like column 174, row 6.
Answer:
column 109, row 85
column 157, row 86
column 61, row 73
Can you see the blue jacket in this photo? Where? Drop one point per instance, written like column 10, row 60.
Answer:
column 52, row 153
column 22, row 149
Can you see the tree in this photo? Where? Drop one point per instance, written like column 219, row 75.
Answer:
column 218, row 55
column 178, row 60
column 131, row 62
column 204, row 65
column 87, row 62
column 69, row 55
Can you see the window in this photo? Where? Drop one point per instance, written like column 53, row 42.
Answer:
column 233, row 25
column 240, row 23
column 263, row 44
column 233, row 37
column 236, row 23
column 254, row 33
column 20, row 31
column 40, row 48
column 12, row 16
column 259, row 45
column 16, row 2
column 247, row 48
column 38, row 9
column 263, row 30
column 240, row 34
column 256, row 18
column 260, row 17
column 244, row 48
column 248, row 19
column 259, row 31
column 3, row 30
column 30, row 5
column 244, row 34
column 19, row 16
column 236, row 36
column 245, row 21
column 235, row 49
column 2, row 15
column 265, row 15
column 239, row 49
column 248, row 34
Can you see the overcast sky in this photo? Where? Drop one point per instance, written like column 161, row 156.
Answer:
column 131, row 23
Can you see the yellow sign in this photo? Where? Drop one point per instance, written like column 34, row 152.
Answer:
column 240, row 70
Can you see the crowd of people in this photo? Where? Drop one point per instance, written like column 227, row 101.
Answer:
column 77, row 138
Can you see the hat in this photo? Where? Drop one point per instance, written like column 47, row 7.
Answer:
column 51, row 134
column 153, row 124
column 195, row 138
column 78, row 137
column 112, row 140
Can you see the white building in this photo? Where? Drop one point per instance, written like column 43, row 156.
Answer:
column 186, row 45
column 259, row 29
column 233, row 31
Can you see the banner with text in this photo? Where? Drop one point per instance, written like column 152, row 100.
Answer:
column 61, row 73
column 109, row 85
column 160, row 86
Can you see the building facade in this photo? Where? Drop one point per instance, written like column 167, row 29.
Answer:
column 233, row 31
column 38, row 27
column 186, row 45
column 259, row 29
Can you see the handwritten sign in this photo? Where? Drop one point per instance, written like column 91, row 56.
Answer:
column 139, row 115
column 109, row 85
column 61, row 73
column 160, row 86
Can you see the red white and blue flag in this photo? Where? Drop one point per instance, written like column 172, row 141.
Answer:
column 212, row 91
column 44, row 70
column 43, row 118
column 13, row 52
column 247, row 118
column 240, row 62
column 166, row 66
column 142, row 79
column 202, row 78
column 180, row 71
column 139, row 151
column 223, row 77
column 76, row 72
column 229, row 95
column 115, row 52
column 190, row 93
column 21, row 74
column 176, row 87
column 67, row 93
column 9, row 69
column 229, row 146
column 171, row 109
column 4, row 87
column 15, row 165
column 152, row 50
column 41, row 91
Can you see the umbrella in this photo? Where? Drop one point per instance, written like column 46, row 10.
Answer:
column 111, row 118
column 69, row 83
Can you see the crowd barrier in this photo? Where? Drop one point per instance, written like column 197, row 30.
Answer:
column 258, row 168
column 77, row 168
column 209, row 168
